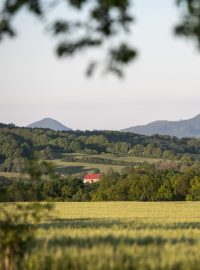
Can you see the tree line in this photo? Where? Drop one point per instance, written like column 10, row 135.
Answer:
column 141, row 183
column 20, row 144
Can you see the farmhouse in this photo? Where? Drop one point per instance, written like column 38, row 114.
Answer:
column 91, row 178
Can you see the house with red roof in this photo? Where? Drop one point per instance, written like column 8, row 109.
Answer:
column 91, row 178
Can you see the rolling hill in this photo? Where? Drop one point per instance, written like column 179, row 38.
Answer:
column 182, row 128
column 49, row 123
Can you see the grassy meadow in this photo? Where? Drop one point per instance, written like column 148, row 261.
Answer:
column 118, row 235
column 77, row 168
column 10, row 174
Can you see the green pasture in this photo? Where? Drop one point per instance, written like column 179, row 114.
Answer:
column 130, row 158
column 115, row 157
column 118, row 235
column 76, row 168
column 10, row 174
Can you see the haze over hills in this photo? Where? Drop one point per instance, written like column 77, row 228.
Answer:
column 182, row 128
column 49, row 123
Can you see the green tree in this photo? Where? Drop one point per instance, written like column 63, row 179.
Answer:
column 75, row 146
column 189, row 26
column 168, row 154
column 165, row 192
column 38, row 169
column 17, row 234
column 46, row 153
column 181, row 186
column 194, row 191
column 137, row 150
column 186, row 160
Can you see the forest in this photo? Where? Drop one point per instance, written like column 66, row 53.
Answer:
column 17, row 145
column 143, row 183
column 31, row 152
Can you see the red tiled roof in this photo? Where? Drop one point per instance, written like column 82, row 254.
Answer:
column 92, row 176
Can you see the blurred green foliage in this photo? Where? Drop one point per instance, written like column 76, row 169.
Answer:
column 17, row 233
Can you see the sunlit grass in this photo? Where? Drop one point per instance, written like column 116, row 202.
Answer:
column 75, row 168
column 13, row 175
column 119, row 235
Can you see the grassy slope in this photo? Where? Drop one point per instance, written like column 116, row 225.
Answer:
column 80, row 167
column 120, row 235
column 110, row 156
column 10, row 174
column 77, row 168
column 131, row 158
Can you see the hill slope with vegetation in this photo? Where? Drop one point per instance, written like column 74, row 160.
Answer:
column 28, row 151
column 20, row 144
column 182, row 128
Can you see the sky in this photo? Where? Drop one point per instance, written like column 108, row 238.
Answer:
column 163, row 83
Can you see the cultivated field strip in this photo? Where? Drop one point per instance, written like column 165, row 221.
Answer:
column 118, row 235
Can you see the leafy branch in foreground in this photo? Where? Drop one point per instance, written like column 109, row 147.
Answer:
column 17, row 233
column 98, row 25
column 190, row 25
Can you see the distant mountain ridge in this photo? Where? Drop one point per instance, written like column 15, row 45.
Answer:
column 49, row 123
column 182, row 128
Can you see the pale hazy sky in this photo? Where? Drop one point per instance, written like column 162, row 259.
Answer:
column 162, row 84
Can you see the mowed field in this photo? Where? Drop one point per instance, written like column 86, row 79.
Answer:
column 75, row 168
column 119, row 235
column 79, row 167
